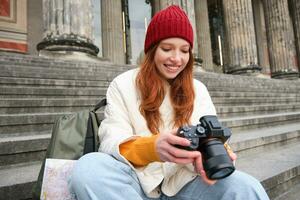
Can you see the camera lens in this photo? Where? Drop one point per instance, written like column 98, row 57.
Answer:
column 216, row 162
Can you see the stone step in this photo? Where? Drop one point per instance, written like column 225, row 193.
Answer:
column 46, row 105
column 23, row 148
column 277, row 169
column 17, row 180
column 292, row 194
column 32, row 87
column 107, row 76
column 258, row 121
column 253, row 94
column 265, row 138
column 21, row 92
column 27, row 123
column 243, row 89
column 268, row 179
column 248, row 101
column 10, row 123
column 40, row 62
column 63, row 103
column 214, row 79
column 231, row 81
column 39, row 82
column 209, row 78
column 81, row 84
column 240, row 111
column 31, row 147
column 11, row 69
column 30, row 122
column 50, row 91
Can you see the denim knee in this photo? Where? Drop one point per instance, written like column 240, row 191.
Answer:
column 100, row 176
column 241, row 185
column 87, row 169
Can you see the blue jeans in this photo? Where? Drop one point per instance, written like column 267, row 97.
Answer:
column 100, row 176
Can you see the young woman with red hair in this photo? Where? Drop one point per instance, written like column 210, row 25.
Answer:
column 138, row 156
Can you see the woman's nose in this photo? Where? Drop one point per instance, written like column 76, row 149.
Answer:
column 176, row 57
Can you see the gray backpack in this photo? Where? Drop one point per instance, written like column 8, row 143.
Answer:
column 72, row 136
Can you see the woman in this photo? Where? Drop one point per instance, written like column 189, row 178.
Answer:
column 139, row 158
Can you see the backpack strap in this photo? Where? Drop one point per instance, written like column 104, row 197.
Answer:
column 91, row 139
column 100, row 104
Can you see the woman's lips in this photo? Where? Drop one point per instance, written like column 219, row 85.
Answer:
column 171, row 68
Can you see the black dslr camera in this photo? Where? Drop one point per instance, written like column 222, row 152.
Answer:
column 209, row 137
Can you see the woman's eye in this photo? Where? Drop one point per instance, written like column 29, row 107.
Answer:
column 166, row 49
column 185, row 51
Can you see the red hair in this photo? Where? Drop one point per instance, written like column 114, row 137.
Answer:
column 152, row 92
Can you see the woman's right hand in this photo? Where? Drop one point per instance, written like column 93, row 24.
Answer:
column 168, row 152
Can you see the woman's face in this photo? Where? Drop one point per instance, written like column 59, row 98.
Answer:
column 171, row 57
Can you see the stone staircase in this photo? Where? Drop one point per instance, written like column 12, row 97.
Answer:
column 263, row 115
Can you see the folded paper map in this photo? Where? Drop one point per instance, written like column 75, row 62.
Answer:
column 55, row 182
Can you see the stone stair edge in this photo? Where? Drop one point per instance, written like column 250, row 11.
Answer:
column 90, row 101
column 11, row 57
column 238, row 141
column 78, row 62
column 108, row 77
column 37, row 59
column 40, row 118
column 273, row 167
column 35, row 166
column 227, row 77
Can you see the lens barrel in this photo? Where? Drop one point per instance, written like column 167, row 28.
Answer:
column 216, row 161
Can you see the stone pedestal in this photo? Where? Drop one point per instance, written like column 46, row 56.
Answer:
column 240, row 35
column 68, row 26
column 281, row 41
column 113, row 34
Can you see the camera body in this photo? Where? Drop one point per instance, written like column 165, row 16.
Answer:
column 209, row 137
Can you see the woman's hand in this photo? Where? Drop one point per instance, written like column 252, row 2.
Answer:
column 198, row 165
column 200, row 170
column 165, row 148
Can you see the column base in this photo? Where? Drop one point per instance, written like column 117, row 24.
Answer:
column 247, row 70
column 71, row 55
column 72, row 43
column 289, row 75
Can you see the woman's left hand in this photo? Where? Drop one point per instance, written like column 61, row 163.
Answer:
column 200, row 170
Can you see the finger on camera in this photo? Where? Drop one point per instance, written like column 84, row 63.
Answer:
column 175, row 140
column 206, row 179
column 171, row 158
column 198, row 164
column 182, row 153
column 232, row 156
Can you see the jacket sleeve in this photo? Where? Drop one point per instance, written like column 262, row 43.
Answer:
column 116, row 127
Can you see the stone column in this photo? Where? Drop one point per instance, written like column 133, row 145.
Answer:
column 189, row 7
column 240, row 35
column 113, row 38
column 68, row 26
column 158, row 5
column 261, row 37
column 203, row 34
column 295, row 5
column 281, row 42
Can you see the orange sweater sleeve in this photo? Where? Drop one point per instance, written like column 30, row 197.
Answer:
column 140, row 151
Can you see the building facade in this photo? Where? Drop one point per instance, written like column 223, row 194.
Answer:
column 252, row 37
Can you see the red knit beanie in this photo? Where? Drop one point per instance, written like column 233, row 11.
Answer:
column 169, row 22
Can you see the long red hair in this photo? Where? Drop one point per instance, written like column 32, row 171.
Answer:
column 151, row 87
